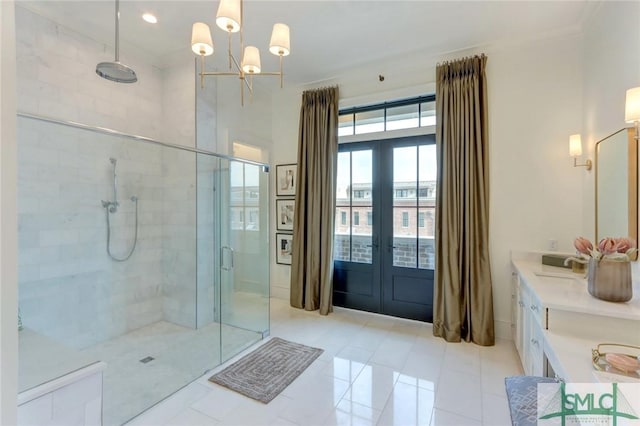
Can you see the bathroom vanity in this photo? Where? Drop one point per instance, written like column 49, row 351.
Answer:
column 556, row 322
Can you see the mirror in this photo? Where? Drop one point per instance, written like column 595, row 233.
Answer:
column 617, row 186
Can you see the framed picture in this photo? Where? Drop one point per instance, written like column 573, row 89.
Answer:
column 286, row 179
column 283, row 248
column 284, row 214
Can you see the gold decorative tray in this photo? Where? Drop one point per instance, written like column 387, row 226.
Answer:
column 620, row 358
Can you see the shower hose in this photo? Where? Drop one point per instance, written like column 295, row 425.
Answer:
column 135, row 238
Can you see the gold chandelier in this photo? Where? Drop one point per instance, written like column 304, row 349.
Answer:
column 230, row 19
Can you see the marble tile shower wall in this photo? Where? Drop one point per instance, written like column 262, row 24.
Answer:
column 69, row 289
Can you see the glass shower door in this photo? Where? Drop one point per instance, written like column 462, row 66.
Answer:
column 244, row 256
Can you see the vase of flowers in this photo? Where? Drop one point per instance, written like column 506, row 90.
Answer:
column 609, row 267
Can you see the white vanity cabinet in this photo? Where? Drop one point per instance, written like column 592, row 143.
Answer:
column 527, row 327
column 556, row 322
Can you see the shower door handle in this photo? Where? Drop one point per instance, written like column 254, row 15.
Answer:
column 222, row 258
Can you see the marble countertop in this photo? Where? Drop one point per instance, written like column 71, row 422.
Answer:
column 561, row 289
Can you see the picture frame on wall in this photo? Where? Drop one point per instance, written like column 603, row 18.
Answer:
column 284, row 214
column 286, row 179
column 284, row 244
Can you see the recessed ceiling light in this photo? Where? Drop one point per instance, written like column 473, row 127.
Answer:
column 150, row 18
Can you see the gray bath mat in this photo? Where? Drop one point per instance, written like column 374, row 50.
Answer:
column 265, row 372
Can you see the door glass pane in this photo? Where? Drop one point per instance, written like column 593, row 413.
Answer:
column 405, row 213
column 342, row 240
column 244, row 298
column 361, row 189
column 427, row 168
column 426, row 228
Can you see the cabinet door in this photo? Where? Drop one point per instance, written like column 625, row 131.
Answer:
column 514, row 307
column 524, row 328
column 536, row 350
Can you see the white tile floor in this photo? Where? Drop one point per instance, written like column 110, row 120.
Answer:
column 374, row 370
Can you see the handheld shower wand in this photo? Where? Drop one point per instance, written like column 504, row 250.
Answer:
column 111, row 207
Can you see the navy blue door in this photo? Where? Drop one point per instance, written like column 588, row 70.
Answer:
column 384, row 227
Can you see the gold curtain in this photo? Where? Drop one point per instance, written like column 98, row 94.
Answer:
column 312, row 255
column 463, row 301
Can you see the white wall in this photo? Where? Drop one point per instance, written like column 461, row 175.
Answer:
column 534, row 90
column 536, row 195
column 8, row 216
column 611, row 66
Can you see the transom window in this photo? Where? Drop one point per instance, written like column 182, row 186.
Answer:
column 407, row 113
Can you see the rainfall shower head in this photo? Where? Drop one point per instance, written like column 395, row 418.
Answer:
column 116, row 71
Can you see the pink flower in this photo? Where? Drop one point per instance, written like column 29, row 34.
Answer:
column 624, row 244
column 608, row 246
column 583, row 245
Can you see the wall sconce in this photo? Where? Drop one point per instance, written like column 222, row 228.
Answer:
column 575, row 151
column 632, row 108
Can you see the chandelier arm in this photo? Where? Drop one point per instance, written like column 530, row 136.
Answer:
column 229, row 49
column 235, row 62
column 220, row 73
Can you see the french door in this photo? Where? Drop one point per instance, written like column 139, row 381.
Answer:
column 384, row 227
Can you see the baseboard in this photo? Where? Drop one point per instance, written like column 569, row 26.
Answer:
column 502, row 330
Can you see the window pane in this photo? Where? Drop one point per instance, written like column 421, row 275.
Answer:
column 361, row 237
column 405, row 176
column 342, row 239
column 370, row 218
column 427, row 219
column 404, row 252
column 341, row 247
column 362, row 177
column 426, row 255
column 345, row 125
column 343, row 179
column 404, row 238
column 427, row 168
column 370, row 121
column 428, row 114
column 403, row 117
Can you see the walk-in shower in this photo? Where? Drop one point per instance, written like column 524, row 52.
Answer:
column 178, row 306
column 111, row 207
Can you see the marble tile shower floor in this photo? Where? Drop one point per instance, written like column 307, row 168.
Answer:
column 375, row 370
column 180, row 354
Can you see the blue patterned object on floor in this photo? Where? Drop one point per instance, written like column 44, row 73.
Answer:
column 522, row 393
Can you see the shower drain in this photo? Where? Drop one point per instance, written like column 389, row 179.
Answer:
column 147, row 359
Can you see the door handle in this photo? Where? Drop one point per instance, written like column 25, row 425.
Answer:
column 374, row 243
column 390, row 245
